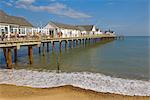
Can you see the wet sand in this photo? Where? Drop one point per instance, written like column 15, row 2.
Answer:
column 11, row 92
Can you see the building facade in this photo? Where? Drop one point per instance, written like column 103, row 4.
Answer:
column 62, row 30
column 12, row 26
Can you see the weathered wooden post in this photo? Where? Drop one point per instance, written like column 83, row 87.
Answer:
column 15, row 55
column 53, row 44
column 71, row 43
column 9, row 58
column 89, row 41
column 74, row 43
column 5, row 55
column 60, row 45
column 39, row 50
column 77, row 43
column 66, row 44
column 43, row 49
column 47, row 47
column 83, row 41
column 80, row 41
column 30, row 54
column 86, row 41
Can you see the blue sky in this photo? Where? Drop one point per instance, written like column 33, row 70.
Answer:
column 128, row 17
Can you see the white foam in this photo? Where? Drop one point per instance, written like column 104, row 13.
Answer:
column 86, row 80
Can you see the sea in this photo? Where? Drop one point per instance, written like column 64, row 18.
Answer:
column 119, row 66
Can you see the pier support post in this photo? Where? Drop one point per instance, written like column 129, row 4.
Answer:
column 83, row 41
column 9, row 58
column 5, row 55
column 39, row 50
column 86, row 41
column 43, row 49
column 15, row 55
column 30, row 54
column 80, row 41
column 60, row 45
column 53, row 44
column 66, row 44
column 89, row 41
column 47, row 47
column 74, row 43
column 71, row 44
column 77, row 43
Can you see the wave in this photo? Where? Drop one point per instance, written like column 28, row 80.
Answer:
column 86, row 80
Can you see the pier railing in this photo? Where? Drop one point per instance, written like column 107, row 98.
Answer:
column 32, row 40
column 36, row 38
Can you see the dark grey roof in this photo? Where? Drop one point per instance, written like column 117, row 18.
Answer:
column 97, row 29
column 5, row 18
column 81, row 28
column 87, row 27
column 77, row 27
column 65, row 26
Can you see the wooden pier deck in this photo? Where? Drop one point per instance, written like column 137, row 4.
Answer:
column 12, row 42
column 15, row 43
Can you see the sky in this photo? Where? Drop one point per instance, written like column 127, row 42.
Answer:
column 125, row 17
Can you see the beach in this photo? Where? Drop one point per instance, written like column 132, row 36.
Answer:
column 12, row 92
column 102, row 76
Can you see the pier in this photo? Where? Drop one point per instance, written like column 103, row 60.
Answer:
column 17, row 32
column 43, row 43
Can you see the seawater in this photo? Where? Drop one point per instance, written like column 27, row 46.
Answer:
column 128, row 58
column 123, row 63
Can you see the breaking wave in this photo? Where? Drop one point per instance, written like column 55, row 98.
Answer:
column 86, row 80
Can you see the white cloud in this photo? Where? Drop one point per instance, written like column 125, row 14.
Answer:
column 54, row 8
column 6, row 3
column 25, row 2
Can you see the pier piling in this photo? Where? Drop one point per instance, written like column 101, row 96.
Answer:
column 60, row 45
column 5, row 54
column 43, row 49
column 30, row 54
column 66, row 44
column 47, row 47
column 53, row 44
column 15, row 55
column 39, row 50
column 9, row 59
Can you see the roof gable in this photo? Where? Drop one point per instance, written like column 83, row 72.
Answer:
column 5, row 18
column 65, row 26
column 87, row 27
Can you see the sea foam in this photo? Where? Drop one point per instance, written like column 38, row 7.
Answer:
column 93, row 81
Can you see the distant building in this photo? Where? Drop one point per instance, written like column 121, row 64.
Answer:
column 109, row 32
column 98, row 31
column 65, row 30
column 62, row 30
column 87, row 29
column 12, row 25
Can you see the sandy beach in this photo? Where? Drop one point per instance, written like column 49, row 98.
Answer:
column 11, row 92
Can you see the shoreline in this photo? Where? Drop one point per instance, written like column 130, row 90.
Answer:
column 68, row 92
column 90, row 81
